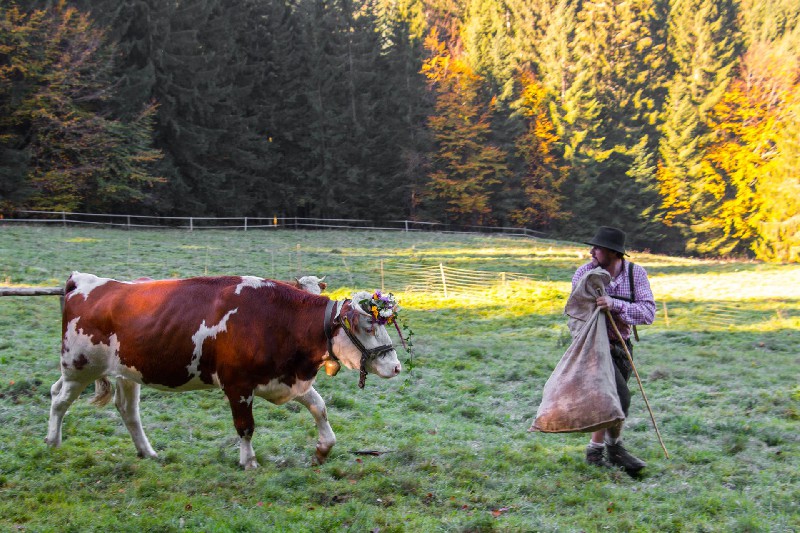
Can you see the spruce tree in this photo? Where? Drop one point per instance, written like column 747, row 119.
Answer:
column 404, row 108
column 608, row 115
column 61, row 124
column 703, row 48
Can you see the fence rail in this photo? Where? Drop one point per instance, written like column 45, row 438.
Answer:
column 66, row 218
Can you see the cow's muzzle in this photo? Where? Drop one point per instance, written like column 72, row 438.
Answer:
column 367, row 354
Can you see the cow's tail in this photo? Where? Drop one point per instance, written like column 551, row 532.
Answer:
column 102, row 392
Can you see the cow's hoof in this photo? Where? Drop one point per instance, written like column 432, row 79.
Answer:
column 147, row 455
column 252, row 464
column 320, row 456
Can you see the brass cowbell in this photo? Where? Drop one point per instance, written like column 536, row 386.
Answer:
column 332, row 367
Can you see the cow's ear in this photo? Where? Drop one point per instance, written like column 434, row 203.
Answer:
column 323, row 286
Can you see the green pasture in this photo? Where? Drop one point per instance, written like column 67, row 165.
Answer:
column 721, row 368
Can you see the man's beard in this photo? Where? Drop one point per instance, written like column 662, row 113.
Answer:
column 605, row 264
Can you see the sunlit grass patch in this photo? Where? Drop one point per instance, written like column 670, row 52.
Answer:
column 84, row 240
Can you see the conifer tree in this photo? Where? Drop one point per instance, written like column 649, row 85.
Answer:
column 542, row 31
column 406, row 105
column 59, row 120
column 703, row 48
column 487, row 46
column 609, row 111
column 207, row 124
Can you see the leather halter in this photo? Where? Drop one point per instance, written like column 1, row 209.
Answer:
column 332, row 320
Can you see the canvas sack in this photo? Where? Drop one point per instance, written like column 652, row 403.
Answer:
column 581, row 393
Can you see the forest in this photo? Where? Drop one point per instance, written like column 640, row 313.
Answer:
column 676, row 120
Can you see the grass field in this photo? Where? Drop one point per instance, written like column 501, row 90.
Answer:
column 720, row 367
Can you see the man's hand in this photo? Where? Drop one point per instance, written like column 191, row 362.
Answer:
column 605, row 302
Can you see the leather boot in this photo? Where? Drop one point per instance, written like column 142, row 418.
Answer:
column 619, row 456
column 594, row 456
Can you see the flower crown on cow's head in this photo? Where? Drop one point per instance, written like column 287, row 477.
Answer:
column 382, row 307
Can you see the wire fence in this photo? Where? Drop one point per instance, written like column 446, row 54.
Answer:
column 433, row 278
column 66, row 218
column 724, row 315
column 447, row 281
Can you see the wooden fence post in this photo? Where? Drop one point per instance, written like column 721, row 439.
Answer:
column 444, row 280
column 272, row 263
column 349, row 274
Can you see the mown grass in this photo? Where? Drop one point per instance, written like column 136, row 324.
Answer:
column 722, row 379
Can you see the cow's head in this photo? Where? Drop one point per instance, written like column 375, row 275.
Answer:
column 360, row 327
column 311, row 284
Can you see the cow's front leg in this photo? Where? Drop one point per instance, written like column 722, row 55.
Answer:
column 126, row 398
column 316, row 406
column 241, row 402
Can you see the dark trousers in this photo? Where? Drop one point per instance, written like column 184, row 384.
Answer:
column 622, row 372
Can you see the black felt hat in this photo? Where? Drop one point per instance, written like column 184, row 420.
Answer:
column 608, row 237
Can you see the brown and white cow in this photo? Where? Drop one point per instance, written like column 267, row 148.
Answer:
column 246, row 335
column 311, row 284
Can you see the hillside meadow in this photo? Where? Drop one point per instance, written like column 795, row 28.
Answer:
column 720, row 368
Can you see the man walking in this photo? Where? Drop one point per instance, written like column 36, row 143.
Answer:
column 630, row 301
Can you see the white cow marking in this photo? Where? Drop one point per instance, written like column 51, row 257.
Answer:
column 254, row 282
column 86, row 283
column 203, row 333
column 278, row 392
column 101, row 357
column 77, row 344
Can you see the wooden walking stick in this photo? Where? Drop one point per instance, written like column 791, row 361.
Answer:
column 638, row 379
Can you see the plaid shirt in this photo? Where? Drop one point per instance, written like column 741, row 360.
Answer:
column 625, row 313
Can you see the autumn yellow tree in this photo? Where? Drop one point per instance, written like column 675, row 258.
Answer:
column 730, row 199
column 465, row 165
column 542, row 177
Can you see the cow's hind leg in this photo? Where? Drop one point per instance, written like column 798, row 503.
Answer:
column 241, row 402
column 316, row 406
column 62, row 394
column 126, row 398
